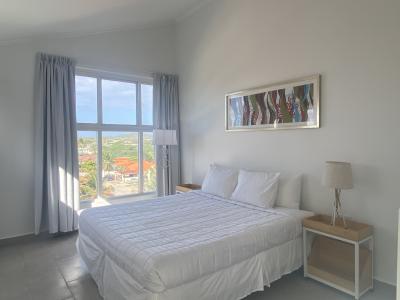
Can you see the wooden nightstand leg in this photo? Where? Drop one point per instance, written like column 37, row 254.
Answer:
column 371, row 244
column 305, row 252
column 357, row 270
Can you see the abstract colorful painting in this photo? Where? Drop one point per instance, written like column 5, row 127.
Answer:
column 285, row 105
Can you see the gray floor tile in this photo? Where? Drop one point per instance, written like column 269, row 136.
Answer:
column 13, row 285
column 295, row 286
column 64, row 249
column 25, row 295
column 71, row 268
column 37, row 249
column 39, row 266
column 50, row 290
column 10, row 250
column 45, row 279
column 84, row 289
column 11, row 260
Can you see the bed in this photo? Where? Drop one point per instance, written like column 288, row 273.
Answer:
column 188, row 246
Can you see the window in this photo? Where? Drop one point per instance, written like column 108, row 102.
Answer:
column 115, row 136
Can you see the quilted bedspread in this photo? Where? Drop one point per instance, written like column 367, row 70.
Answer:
column 165, row 242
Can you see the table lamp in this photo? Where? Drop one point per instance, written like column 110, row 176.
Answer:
column 338, row 176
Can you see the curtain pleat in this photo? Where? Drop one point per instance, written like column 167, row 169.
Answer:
column 56, row 159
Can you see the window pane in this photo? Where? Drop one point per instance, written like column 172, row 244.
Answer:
column 149, row 163
column 119, row 102
column 120, row 163
column 146, row 91
column 86, row 99
column 87, row 151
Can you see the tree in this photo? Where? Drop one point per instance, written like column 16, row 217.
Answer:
column 108, row 162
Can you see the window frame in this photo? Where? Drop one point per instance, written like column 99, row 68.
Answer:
column 99, row 127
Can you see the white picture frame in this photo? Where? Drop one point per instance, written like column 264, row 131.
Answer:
column 285, row 105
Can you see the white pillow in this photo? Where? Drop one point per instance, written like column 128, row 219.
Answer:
column 257, row 188
column 289, row 193
column 220, row 181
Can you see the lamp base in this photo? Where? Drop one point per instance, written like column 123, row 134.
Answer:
column 337, row 209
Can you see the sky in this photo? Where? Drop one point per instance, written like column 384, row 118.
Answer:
column 119, row 101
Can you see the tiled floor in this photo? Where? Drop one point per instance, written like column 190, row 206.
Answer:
column 44, row 269
column 48, row 268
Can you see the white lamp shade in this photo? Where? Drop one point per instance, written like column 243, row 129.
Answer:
column 164, row 137
column 338, row 175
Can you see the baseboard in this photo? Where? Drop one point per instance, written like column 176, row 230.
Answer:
column 15, row 238
column 44, row 235
column 384, row 281
column 16, row 235
column 24, row 237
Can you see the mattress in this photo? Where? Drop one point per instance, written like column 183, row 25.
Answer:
column 168, row 242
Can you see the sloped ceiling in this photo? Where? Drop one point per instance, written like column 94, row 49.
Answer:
column 29, row 18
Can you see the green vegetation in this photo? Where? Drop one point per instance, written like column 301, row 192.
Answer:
column 120, row 165
column 125, row 145
column 87, row 180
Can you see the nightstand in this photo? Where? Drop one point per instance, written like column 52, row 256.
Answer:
column 187, row 187
column 339, row 257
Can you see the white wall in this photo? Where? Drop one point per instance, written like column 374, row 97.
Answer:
column 231, row 45
column 136, row 52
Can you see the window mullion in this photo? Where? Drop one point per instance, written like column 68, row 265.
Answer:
column 99, row 164
column 138, row 105
column 99, row 102
column 140, row 134
column 99, row 140
column 118, row 127
column 140, row 148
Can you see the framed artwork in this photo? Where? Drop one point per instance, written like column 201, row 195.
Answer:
column 285, row 105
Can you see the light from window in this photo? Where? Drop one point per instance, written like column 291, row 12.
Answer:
column 116, row 153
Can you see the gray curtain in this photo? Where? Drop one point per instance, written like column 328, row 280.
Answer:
column 166, row 116
column 56, row 158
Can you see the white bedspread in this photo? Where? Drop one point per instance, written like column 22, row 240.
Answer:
column 167, row 242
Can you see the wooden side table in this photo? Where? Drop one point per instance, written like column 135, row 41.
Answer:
column 187, row 187
column 339, row 257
